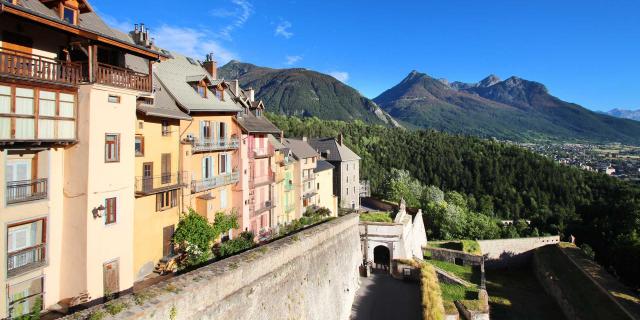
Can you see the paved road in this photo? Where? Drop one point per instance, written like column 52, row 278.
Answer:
column 382, row 297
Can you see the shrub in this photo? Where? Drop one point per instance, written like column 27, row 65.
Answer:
column 432, row 307
column 236, row 245
column 194, row 235
column 376, row 217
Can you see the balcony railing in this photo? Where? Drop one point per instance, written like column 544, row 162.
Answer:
column 34, row 67
column 215, row 182
column 203, row 145
column 261, row 180
column 258, row 152
column 26, row 259
column 262, row 207
column 122, row 78
column 308, row 177
column 163, row 182
column 26, row 190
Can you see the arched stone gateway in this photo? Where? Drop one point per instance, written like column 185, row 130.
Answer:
column 381, row 257
column 402, row 239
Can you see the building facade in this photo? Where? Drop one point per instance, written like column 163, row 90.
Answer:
column 66, row 189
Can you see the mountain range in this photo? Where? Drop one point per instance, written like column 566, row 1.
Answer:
column 625, row 114
column 302, row 92
column 514, row 109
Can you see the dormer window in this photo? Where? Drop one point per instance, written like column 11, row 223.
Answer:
column 219, row 94
column 69, row 15
column 202, row 90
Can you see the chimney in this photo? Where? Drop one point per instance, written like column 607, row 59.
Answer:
column 140, row 35
column 211, row 66
column 235, row 85
column 340, row 139
column 252, row 95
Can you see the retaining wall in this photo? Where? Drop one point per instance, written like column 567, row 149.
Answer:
column 312, row 274
column 501, row 253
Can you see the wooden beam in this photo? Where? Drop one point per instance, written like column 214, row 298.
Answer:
column 79, row 32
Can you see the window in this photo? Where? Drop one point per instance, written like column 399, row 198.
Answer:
column 165, row 128
column 223, row 199
column 25, row 245
column 24, row 296
column 110, row 211
column 69, row 15
column 112, row 147
column 207, row 168
column 347, row 191
column 139, row 146
column 222, row 131
column 219, row 94
column 318, row 186
column 141, row 125
column 113, row 99
column 205, row 130
column 202, row 90
column 166, row 168
column 224, row 165
column 166, row 200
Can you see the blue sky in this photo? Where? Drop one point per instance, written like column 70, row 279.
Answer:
column 586, row 51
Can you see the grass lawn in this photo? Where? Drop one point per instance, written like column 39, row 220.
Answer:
column 453, row 292
column 464, row 272
column 376, row 217
column 516, row 294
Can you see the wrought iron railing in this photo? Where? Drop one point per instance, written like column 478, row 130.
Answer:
column 200, row 145
column 154, row 184
column 215, row 182
column 26, row 190
column 26, row 259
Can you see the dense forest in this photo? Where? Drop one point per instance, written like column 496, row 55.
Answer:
column 501, row 181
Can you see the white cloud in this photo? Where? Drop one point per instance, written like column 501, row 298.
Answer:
column 121, row 25
column 191, row 42
column 243, row 11
column 342, row 76
column 283, row 30
column 291, row 60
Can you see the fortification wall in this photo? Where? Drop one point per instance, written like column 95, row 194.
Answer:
column 512, row 252
column 312, row 274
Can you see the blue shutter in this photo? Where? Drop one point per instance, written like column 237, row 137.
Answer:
column 216, row 131
column 204, row 168
column 201, row 137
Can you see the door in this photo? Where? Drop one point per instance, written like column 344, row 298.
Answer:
column 167, row 236
column 111, row 277
column 20, row 238
column 147, row 176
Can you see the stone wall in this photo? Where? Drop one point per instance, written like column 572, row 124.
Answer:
column 448, row 255
column 512, row 252
column 312, row 274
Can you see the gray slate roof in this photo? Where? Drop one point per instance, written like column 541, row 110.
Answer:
column 252, row 124
column 337, row 152
column 174, row 75
column 300, row 149
column 323, row 165
column 88, row 21
column 164, row 106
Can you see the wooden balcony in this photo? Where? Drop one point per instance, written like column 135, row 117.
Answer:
column 38, row 68
column 26, row 259
column 122, row 78
column 27, row 190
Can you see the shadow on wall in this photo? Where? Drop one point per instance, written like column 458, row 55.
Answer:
column 508, row 259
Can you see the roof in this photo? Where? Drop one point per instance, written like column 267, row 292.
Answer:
column 163, row 105
column 323, row 165
column 88, row 20
column 252, row 124
column 275, row 142
column 175, row 76
column 337, row 152
column 300, row 149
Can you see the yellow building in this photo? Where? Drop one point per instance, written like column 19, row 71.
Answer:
column 159, row 181
column 210, row 139
column 69, row 86
column 304, row 177
column 284, row 193
column 324, row 187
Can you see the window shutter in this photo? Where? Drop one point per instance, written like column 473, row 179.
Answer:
column 174, row 196
column 158, row 201
column 202, row 133
column 229, row 163
column 216, row 131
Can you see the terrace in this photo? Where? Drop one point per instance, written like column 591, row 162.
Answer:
column 161, row 183
column 215, row 182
